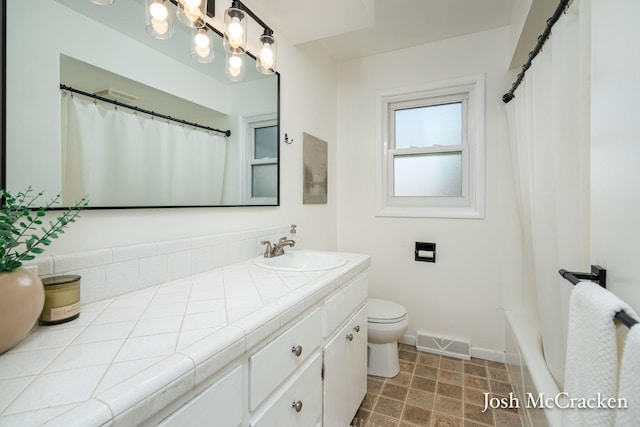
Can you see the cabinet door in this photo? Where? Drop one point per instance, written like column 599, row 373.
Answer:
column 271, row 365
column 220, row 404
column 298, row 402
column 345, row 371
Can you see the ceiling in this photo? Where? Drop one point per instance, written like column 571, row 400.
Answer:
column 354, row 28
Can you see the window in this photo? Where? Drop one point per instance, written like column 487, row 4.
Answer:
column 431, row 151
column 262, row 161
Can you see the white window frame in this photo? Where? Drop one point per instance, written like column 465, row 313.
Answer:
column 250, row 124
column 469, row 91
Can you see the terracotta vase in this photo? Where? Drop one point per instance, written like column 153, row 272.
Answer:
column 21, row 302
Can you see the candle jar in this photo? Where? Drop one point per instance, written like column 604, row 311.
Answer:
column 61, row 299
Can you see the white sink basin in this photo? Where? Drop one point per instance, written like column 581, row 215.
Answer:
column 301, row 261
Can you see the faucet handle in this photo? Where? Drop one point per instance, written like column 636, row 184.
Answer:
column 267, row 249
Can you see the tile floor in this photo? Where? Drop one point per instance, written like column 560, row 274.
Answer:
column 439, row 391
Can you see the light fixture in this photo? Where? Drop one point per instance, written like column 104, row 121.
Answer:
column 102, row 2
column 192, row 13
column 266, row 58
column 235, row 29
column 159, row 20
column 202, row 45
column 234, row 67
column 235, row 39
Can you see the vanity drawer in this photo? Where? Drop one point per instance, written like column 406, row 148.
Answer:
column 271, row 365
column 221, row 402
column 338, row 308
column 300, row 402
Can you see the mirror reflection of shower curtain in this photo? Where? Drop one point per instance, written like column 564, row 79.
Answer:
column 119, row 158
column 549, row 140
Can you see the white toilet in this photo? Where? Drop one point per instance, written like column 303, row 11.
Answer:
column 386, row 324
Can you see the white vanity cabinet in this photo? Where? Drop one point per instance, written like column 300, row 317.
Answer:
column 220, row 404
column 299, row 401
column 310, row 373
column 345, row 353
column 345, row 371
column 271, row 365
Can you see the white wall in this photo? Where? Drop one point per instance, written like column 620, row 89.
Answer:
column 615, row 145
column 460, row 295
column 308, row 93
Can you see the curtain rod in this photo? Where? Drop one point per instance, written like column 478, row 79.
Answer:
column 151, row 113
column 562, row 6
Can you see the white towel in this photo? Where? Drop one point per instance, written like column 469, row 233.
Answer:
column 630, row 381
column 591, row 367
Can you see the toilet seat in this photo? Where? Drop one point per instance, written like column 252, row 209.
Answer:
column 385, row 312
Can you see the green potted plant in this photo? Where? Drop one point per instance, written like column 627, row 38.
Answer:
column 23, row 233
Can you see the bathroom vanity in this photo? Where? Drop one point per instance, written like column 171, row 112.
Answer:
column 241, row 345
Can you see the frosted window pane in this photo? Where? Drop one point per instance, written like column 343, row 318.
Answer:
column 264, row 180
column 435, row 175
column 266, row 142
column 429, row 126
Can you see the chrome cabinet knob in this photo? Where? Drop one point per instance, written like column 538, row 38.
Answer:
column 297, row 405
column 350, row 337
column 357, row 328
column 297, row 350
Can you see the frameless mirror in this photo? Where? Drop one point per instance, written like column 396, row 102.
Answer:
column 60, row 140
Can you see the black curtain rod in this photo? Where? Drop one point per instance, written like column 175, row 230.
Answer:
column 562, row 6
column 598, row 274
column 141, row 110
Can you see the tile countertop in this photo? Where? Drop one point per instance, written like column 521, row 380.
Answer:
column 129, row 356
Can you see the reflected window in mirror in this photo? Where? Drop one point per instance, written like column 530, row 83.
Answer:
column 262, row 160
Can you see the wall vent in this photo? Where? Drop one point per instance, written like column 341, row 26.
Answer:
column 444, row 346
column 118, row 95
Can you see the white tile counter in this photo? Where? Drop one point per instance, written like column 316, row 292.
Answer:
column 129, row 356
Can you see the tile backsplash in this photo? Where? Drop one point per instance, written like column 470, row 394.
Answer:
column 110, row 272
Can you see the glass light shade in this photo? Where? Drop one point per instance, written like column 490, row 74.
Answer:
column 266, row 57
column 159, row 19
column 235, row 31
column 234, row 67
column 202, row 45
column 192, row 13
column 102, row 2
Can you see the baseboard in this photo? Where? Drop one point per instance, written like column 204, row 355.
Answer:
column 486, row 354
column 408, row 340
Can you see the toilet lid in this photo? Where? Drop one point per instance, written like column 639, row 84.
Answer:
column 382, row 311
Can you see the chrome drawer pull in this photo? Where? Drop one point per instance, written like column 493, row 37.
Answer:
column 297, row 350
column 357, row 328
column 350, row 337
column 297, row 405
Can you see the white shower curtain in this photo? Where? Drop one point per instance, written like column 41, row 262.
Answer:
column 549, row 139
column 119, row 158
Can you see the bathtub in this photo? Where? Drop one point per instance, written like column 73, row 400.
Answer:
column 528, row 370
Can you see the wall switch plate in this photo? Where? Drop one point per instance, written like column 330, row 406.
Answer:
column 425, row 252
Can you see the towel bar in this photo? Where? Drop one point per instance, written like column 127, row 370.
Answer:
column 598, row 274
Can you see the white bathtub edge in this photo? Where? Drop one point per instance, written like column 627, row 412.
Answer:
column 524, row 330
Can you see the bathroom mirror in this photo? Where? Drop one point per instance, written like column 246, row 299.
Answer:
column 106, row 50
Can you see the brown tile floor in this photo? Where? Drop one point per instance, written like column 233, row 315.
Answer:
column 439, row 391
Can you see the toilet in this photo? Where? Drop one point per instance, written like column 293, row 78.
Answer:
column 387, row 322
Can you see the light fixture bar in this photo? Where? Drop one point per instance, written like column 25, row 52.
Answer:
column 237, row 4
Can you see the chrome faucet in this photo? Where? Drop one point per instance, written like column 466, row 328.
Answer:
column 277, row 249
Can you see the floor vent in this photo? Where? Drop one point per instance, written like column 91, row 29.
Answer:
column 443, row 346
